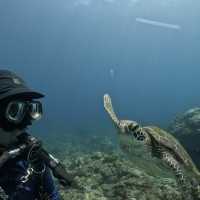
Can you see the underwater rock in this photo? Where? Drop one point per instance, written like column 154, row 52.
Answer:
column 186, row 123
column 101, row 176
column 186, row 128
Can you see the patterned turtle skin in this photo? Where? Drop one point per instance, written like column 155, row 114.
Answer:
column 163, row 146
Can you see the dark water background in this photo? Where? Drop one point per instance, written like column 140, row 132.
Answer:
column 67, row 48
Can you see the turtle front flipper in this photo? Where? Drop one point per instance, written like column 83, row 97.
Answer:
column 109, row 108
column 184, row 183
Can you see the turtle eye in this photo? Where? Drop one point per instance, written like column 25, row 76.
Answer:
column 133, row 127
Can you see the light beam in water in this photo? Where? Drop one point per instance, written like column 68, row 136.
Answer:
column 157, row 23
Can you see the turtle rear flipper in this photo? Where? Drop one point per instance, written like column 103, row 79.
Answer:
column 109, row 108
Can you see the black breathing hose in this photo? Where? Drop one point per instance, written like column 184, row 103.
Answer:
column 40, row 155
column 37, row 157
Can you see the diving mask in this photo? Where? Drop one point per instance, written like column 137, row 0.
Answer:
column 16, row 111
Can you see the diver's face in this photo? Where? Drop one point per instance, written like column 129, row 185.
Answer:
column 9, row 131
column 19, row 113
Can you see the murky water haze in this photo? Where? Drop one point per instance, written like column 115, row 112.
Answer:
column 67, row 50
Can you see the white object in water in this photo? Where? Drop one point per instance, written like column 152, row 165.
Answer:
column 157, row 23
column 112, row 73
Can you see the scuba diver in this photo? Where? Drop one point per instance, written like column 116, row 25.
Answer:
column 26, row 168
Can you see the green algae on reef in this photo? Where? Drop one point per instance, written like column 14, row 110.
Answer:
column 101, row 176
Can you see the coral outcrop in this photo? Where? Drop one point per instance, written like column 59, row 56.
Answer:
column 186, row 127
column 187, row 123
column 101, row 176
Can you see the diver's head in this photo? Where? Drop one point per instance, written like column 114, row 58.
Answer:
column 18, row 107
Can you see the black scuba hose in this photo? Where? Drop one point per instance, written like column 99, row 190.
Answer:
column 40, row 155
column 58, row 169
column 12, row 153
column 37, row 156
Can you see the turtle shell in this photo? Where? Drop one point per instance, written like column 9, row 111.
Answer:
column 166, row 141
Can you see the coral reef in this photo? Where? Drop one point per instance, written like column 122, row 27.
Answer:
column 74, row 145
column 186, row 123
column 186, row 127
column 101, row 176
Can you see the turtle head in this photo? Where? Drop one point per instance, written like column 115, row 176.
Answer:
column 127, row 126
column 130, row 128
column 131, row 138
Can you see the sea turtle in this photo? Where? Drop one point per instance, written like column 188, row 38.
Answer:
column 161, row 145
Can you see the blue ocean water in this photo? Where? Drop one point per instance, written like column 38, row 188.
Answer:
column 75, row 51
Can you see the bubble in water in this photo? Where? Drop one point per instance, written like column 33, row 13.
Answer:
column 112, row 73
